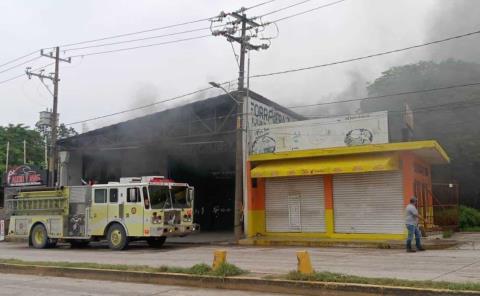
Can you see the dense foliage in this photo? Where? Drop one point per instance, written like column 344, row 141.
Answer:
column 449, row 115
column 16, row 134
column 469, row 218
column 35, row 143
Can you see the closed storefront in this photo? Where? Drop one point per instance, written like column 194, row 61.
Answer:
column 343, row 193
column 368, row 202
column 295, row 204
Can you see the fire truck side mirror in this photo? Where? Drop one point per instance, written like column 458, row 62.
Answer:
column 190, row 195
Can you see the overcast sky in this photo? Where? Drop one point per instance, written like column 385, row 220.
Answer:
column 102, row 84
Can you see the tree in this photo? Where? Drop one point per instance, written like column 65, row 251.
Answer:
column 449, row 116
column 63, row 131
column 16, row 134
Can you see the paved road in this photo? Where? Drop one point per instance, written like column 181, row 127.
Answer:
column 459, row 265
column 26, row 285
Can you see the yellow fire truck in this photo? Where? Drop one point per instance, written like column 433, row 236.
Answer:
column 148, row 208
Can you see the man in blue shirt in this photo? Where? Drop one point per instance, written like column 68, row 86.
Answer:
column 411, row 221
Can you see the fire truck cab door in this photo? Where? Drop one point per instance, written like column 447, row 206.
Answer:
column 98, row 212
column 113, row 205
column 133, row 211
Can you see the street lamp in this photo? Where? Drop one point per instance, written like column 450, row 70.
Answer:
column 217, row 85
column 237, row 227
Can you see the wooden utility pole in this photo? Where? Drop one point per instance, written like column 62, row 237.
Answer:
column 54, row 122
column 54, row 77
column 240, row 18
column 24, row 152
column 7, row 155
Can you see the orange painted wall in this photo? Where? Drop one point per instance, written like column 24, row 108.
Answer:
column 408, row 177
column 256, row 196
column 328, row 191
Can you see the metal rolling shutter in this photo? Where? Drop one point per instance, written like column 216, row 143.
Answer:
column 368, row 202
column 288, row 197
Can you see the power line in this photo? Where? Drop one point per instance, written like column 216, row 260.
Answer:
column 150, row 105
column 368, row 56
column 140, row 46
column 438, row 107
column 387, row 95
column 19, row 58
column 259, row 4
column 21, row 64
column 456, row 105
column 21, row 75
column 138, row 39
column 144, row 106
column 284, row 8
column 136, row 32
column 306, row 11
column 446, row 106
column 12, row 78
column 155, row 29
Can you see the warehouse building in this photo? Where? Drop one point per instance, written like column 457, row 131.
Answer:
column 352, row 192
column 193, row 143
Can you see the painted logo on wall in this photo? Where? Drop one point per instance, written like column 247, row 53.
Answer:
column 263, row 142
column 359, row 136
column 338, row 131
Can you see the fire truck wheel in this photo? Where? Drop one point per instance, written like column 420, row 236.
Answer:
column 117, row 237
column 156, row 242
column 39, row 237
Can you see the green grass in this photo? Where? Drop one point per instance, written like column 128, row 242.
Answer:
column 447, row 233
column 225, row 270
column 471, row 229
column 342, row 278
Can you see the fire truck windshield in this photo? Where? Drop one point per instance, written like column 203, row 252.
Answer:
column 159, row 197
column 180, row 197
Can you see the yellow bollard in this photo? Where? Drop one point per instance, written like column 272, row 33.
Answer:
column 304, row 264
column 219, row 257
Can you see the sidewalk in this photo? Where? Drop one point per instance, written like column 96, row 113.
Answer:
column 456, row 265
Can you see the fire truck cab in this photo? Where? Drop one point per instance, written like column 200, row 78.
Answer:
column 149, row 208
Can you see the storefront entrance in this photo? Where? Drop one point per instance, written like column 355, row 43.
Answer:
column 295, row 204
column 368, row 202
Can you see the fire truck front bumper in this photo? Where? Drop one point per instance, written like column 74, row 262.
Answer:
column 187, row 229
column 177, row 230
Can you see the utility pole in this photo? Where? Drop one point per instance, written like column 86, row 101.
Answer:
column 239, row 18
column 54, row 77
column 24, row 152
column 7, row 156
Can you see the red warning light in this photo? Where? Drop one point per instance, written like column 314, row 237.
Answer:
column 160, row 180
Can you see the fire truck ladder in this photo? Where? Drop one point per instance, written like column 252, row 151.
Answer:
column 51, row 202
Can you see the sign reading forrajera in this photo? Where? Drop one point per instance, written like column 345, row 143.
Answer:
column 261, row 114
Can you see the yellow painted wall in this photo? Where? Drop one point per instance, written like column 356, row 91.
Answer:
column 256, row 223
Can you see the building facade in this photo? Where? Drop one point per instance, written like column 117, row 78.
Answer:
column 356, row 192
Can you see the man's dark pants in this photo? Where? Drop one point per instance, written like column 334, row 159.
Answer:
column 413, row 229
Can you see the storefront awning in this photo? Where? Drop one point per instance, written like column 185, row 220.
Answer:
column 326, row 165
column 429, row 151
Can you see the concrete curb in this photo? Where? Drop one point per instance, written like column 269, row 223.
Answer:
column 430, row 245
column 232, row 283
